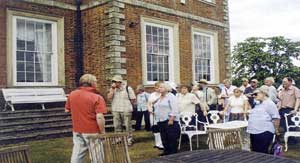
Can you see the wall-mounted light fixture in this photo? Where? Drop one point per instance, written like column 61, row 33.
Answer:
column 133, row 24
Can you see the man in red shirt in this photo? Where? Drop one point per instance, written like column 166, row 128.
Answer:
column 87, row 109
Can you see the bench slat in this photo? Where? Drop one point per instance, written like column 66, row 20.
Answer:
column 33, row 95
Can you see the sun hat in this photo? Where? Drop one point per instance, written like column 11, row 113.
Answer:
column 117, row 78
column 204, row 81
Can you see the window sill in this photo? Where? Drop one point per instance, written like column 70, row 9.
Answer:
column 208, row 3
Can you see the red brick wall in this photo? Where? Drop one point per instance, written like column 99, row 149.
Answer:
column 133, row 44
column 93, row 44
column 69, row 23
column 2, row 45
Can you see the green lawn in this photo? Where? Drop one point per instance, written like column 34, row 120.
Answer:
column 59, row 150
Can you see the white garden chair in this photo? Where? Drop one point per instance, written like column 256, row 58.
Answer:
column 190, row 129
column 296, row 124
column 213, row 115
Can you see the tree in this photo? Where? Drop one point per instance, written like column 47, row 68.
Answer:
column 259, row 58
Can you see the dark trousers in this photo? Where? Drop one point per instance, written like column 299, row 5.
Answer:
column 283, row 111
column 261, row 142
column 169, row 136
column 139, row 118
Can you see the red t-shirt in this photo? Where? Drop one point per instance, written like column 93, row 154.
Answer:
column 84, row 104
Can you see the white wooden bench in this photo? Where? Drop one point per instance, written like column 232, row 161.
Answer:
column 32, row 95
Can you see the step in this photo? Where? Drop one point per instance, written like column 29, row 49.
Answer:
column 15, row 124
column 35, row 127
column 32, row 117
column 35, row 136
column 31, row 112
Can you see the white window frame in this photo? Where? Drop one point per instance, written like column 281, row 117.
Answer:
column 214, row 66
column 174, row 72
column 211, row 2
column 54, row 69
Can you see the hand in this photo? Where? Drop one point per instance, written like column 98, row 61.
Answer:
column 221, row 112
column 205, row 113
column 293, row 112
column 170, row 122
column 277, row 132
column 113, row 86
column 102, row 131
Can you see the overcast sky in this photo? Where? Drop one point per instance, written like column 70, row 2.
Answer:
column 264, row 18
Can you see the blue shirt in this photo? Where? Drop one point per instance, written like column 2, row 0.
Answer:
column 261, row 116
column 142, row 100
column 166, row 107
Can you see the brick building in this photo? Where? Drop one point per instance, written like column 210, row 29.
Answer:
column 50, row 43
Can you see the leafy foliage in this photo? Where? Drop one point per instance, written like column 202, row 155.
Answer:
column 259, row 58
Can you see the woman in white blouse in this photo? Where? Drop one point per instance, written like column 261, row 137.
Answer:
column 153, row 98
column 236, row 106
column 187, row 101
column 167, row 115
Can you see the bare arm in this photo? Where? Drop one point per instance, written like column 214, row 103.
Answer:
column 276, row 125
column 101, row 122
column 297, row 105
column 110, row 94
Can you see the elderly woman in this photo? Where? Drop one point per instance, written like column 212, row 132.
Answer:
column 272, row 90
column 153, row 98
column 187, row 101
column 263, row 121
column 202, row 108
column 167, row 114
column 236, row 106
column 142, row 111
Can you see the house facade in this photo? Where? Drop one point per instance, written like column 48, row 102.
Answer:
column 51, row 43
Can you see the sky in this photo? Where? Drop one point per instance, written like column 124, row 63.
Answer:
column 264, row 18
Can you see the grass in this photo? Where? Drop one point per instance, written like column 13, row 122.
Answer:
column 59, row 150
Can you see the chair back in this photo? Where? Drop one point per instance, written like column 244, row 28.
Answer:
column 17, row 154
column 221, row 139
column 295, row 120
column 188, row 121
column 109, row 148
column 213, row 115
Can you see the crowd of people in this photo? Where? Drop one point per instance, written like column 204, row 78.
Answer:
column 263, row 107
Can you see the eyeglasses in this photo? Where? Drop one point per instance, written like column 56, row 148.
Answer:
column 113, row 81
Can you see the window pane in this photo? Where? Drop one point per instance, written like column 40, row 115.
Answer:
column 48, row 39
column 20, row 76
column 20, row 34
column 20, row 56
column 29, row 77
column 30, row 33
column 29, row 56
column 148, row 29
column 154, row 31
column 39, row 77
column 20, row 66
column 29, row 67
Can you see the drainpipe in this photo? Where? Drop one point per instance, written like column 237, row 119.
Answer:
column 78, row 41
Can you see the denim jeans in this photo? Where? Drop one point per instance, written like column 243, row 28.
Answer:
column 80, row 147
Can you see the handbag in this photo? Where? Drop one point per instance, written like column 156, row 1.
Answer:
column 276, row 148
column 134, row 106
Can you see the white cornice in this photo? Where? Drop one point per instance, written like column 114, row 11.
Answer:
column 53, row 3
column 137, row 3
